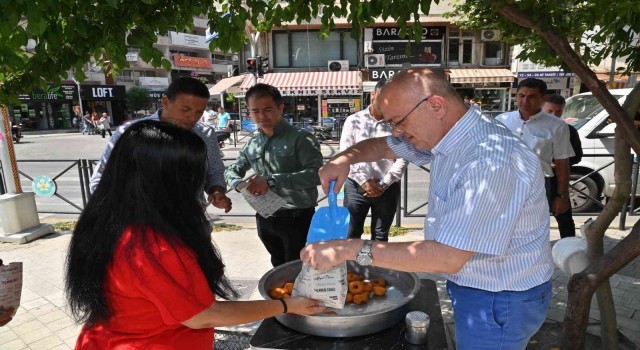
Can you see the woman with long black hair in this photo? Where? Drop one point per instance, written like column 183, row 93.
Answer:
column 142, row 271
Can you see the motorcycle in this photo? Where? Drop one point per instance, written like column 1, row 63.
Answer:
column 323, row 133
column 16, row 132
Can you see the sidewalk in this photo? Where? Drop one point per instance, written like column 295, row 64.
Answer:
column 43, row 321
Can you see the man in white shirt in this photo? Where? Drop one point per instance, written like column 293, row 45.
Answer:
column 372, row 185
column 546, row 135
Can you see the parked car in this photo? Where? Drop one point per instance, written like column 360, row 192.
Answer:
column 596, row 131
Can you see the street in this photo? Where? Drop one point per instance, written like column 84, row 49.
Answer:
column 56, row 155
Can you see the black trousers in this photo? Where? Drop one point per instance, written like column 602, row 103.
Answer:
column 284, row 234
column 383, row 210
column 105, row 131
column 566, row 225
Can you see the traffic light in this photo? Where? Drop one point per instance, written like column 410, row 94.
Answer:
column 263, row 65
column 252, row 65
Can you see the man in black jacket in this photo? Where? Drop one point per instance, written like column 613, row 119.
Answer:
column 555, row 105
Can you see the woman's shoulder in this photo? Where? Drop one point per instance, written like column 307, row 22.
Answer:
column 142, row 243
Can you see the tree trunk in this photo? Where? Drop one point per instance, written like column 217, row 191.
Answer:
column 582, row 286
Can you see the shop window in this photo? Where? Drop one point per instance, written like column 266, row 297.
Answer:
column 493, row 53
column 306, row 49
column 460, row 48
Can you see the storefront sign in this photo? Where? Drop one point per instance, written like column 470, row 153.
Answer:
column 324, row 92
column 544, row 74
column 427, row 53
column 59, row 92
column 190, row 40
column 155, row 95
column 393, row 33
column 205, row 78
column 376, row 74
column 188, row 61
column 132, row 57
column 154, row 81
column 103, row 92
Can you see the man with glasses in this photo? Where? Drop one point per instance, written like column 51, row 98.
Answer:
column 284, row 159
column 487, row 226
column 372, row 185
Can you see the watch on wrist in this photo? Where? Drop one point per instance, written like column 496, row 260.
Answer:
column 271, row 181
column 364, row 256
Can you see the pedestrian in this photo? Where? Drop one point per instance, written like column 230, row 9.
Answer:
column 104, row 124
column 209, row 116
column 487, row 223
column 224, row 119
column 284, row 159
column 142, row 273
column 371, row 186
column 467, row 101
column 86, row 122
column 549, row 138
column 182, row 105
column 95, row 123
column 555, row 106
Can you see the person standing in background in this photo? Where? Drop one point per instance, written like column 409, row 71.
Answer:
column 371, row 186
column 555, row 106
column 105, row 126
column 547, row 136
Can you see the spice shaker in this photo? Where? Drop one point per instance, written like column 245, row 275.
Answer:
column 417, row 323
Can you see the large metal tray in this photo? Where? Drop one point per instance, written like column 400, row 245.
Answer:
column 353, row 320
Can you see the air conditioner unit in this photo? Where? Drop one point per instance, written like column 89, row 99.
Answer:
column 490, row 35
column 336, row 66
column 374, row 60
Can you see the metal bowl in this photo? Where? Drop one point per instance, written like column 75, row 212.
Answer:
column 354, row 320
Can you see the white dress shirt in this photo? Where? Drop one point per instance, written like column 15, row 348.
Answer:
column 547, row 135
column 362, row 126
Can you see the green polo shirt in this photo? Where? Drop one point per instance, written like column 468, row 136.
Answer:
column 292, row 156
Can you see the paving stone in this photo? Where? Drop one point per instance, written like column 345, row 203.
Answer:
column 7, row 336
column 36, row 334
column 16, row 344
column 62, row 323
column 46, row 343
column 27, row 327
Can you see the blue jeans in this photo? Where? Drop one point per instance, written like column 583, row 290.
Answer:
column 383, row 210
column 497, row 320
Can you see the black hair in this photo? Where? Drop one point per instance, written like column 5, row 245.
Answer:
column 556, row 99
column 187, row 86
column 534, row 83
column 264, row 90
column 151, row 183
column 379, row 85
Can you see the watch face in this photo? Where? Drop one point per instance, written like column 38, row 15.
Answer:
column 364, row 259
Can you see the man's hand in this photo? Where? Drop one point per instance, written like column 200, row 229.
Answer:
column 220, row 200
column 324, row 256
column 257, row 185
column 335, row 169
column 372, row 188
column 560, row 205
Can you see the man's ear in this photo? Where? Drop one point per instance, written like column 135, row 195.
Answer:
column 165, row 102
column 437, row 106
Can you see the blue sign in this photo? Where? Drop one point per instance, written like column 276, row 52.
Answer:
column 43, row 186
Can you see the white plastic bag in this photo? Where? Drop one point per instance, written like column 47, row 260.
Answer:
column 329, row 288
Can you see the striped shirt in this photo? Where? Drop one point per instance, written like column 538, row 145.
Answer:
column 487, row 195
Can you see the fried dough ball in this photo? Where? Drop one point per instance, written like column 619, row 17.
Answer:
column 361, row 298
column 379, row 291
column 379, row 282
column 349, row 298
column 367, row 286
column 354, row 277
column 276, row 293
column 356, row 287
column 288, row 287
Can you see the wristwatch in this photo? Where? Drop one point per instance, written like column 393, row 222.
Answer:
column 271, row 181
column 364, row 256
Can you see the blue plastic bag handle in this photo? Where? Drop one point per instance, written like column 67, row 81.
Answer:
column 333, row 202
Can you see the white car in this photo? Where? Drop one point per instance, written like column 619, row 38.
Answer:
column 585, row 113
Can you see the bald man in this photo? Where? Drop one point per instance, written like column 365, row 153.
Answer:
column 487, row 227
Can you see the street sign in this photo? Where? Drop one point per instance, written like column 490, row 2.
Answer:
column 43, row 186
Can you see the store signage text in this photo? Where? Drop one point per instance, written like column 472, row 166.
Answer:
column 320, row 92
column 393, row 33
column 52, row 93
column 377, row 74
column 188, row 61
column 102, row 92
column 546, row 74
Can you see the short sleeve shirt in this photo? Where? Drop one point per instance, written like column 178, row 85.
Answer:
column 151, row 290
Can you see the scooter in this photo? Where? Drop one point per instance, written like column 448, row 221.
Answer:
column 322, row 133
column 16, row 132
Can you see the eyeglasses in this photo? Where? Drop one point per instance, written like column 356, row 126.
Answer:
column 395, row 126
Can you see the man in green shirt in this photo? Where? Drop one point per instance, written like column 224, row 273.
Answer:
column 285, row 160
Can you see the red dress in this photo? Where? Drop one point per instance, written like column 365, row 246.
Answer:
column 148, row 307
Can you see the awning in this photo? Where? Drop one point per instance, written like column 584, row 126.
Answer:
column 462, row 76
column 310, row 83
column 224, row 84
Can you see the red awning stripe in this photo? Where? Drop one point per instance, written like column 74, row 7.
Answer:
column 296, row 81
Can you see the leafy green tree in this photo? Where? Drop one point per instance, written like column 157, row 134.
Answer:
column 572, row 33
column 137, row 98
